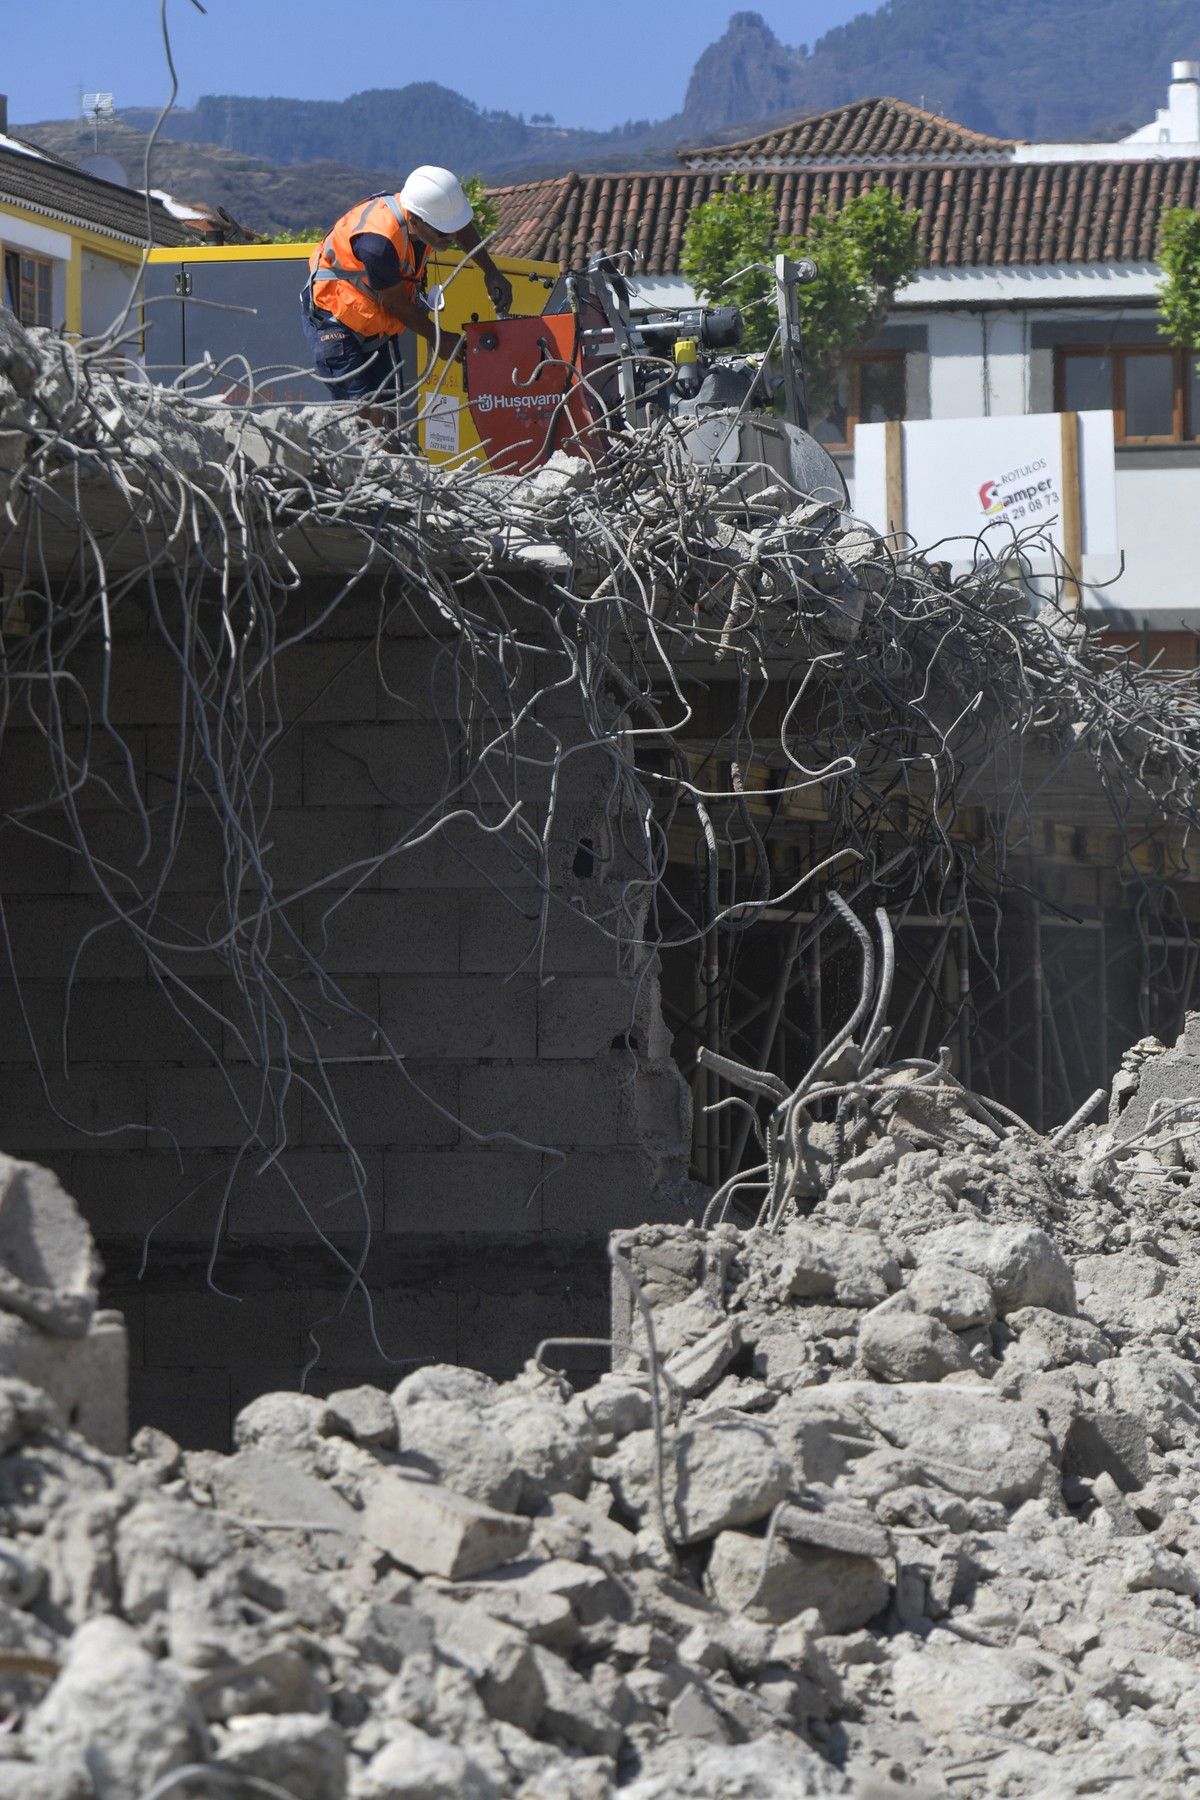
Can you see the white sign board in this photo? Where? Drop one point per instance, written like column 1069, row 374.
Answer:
column 965, row 477
column 440, row 419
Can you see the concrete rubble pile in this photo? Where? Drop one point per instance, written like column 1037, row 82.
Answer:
column 312, row 468
column 924, row 1515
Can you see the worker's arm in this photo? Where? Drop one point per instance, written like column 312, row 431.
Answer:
column 402, row 304
column 498, row 285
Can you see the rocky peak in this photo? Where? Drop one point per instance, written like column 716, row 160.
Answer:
column 746, row 75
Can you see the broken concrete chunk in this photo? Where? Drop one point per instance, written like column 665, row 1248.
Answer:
column 855, row 1268
column 956, row 1296
column 1108, row 1442
column 572, row 1712
column 846, row 1590
column 49, row 1270
column 365, row 1415
column 899, row 1346
column 87, row 1377
column 457, row 1444
column 714, row 1476
column 829, row 1530
column 444, row 1381
column 617, row 1405
column 551, row 1445
column 1057, row 1340
column 287, row 1424
column 302, row 1753
column 254, row 1485
column 1019, row 1262
column 127, row 1719
column 501, row 1663
column 694, row 1368
column 415, row 1766
column 435, row 1531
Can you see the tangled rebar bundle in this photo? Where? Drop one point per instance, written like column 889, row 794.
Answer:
column 732, row 656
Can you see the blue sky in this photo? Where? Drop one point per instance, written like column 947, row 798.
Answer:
column 591, row 64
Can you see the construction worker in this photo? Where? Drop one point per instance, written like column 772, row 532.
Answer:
column 364, row 286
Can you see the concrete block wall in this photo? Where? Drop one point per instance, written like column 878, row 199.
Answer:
column 480, row 1245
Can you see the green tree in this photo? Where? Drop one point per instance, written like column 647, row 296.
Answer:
column 727, row 251
column 1179, row 300
column 487, row 213
column 864, row 253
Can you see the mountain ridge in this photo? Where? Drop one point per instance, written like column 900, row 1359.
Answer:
column 994, row 65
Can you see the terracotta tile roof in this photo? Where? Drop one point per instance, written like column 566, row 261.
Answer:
column 971, row 215
column 879, row 130
column 71, row 196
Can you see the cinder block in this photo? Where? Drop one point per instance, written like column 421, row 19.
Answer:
column 586, row 1015
column 460, row 1017
column 46, row 935
column 431, row 678
column 123, row 1196
column 596, row 1191
column 384, row 933
column 336, row 849
column 500, row 1335
column 478, row 1192
column 193, row 1405
column 200, row 1106
column 195, row 862
column 95, row 1100
column 88, row 1377
column 500, row 934
column 379, row 765
column 660, row 1114
column 136, row 1022
column 323, row 1028
column 102, row 771
column 324, row 683
column 412, row 1325
column 29, row 863
column 202, row 1330
column 460, row 853
column 145, row 684
column 544, row 1104
column 264, row 1207
column 381, row 1105
column 274, row 753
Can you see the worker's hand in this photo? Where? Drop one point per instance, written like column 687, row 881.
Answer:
column 499, row 288
column 450, row 347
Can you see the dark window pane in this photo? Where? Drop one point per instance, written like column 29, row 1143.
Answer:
column 44, row 301
column 12, row 281
column 1150, row 395
column 1193, row 394
column 1087, row 383
column 881, row 390
column 834, row 428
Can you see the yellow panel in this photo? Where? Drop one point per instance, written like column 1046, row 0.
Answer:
column 448, row 434
column 202, row 253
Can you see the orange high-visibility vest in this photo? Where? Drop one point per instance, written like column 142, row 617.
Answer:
column 339, row 282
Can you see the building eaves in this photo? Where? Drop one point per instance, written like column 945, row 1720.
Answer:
column 72, row 197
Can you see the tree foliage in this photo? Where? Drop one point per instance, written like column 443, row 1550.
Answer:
column 727, row 251
column 1179, row 254
column 864, row 253
column 487, row 213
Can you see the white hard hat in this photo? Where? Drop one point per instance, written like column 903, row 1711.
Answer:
column 436, row 196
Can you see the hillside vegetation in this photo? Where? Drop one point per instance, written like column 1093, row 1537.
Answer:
column 1046, row 69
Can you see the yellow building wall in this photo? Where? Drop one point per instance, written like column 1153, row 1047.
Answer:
column 81, row 240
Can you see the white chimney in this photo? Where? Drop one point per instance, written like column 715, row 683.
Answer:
column 1183, row 103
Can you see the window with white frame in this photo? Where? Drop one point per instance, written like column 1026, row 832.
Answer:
column 28, row 287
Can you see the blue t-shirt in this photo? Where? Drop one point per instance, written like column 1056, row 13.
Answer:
column 378, row 257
